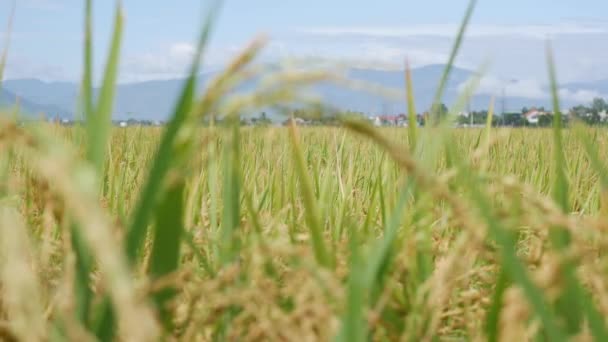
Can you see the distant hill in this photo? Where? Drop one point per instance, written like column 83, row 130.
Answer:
column 425, row 80
column 600, row 86
column 155, row 99
column 142, row 100
column 58, row 94
column 28, row 108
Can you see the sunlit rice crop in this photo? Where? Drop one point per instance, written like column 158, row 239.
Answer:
column 296, row 233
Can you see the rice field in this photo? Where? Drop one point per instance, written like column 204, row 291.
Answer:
column 351, row 233
column 304, row 234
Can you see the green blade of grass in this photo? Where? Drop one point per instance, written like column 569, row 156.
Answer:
column 104, row 325
column 161, row 165
column 488, row 135
column 511, row 263
column 493, row 315
column 518, row 272
column 412, row 126
column 560, row 186
column 454, row 52
column 254, row 214
column 313, row 220
column 382, row 255
column 489, row 122
column 382, row 200
column 574, row 297
column 212, row 171
column 96, row 145
column 354, row 327
column 5, row 162
column 567, row 304
column 202, row 259
column 424, row 262
column 164, row 257
column 231, row 195
column 83, row 268
column 593, row 154
column 371, row 210
column 503, row 238
column 99, row 124
column 87, row 75
column 162, row 162
column 146, row 204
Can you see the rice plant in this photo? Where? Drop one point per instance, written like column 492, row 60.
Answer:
column 296, row 233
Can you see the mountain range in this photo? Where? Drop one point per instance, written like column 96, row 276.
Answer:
column 154, row 100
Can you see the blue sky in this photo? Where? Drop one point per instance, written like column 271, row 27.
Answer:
column 47, row 35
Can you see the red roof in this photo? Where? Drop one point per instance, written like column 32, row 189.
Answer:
column 533, row 112
column 391, row 117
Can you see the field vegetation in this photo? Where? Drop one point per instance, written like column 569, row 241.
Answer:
column 344, row 233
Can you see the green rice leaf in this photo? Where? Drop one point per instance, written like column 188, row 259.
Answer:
column 574, row 297
column 165, row 254
column 453, row 54
column 354, row 327
column 231, row 197
column 493, row 316
column 313, row 220
column 100, row 123
column 411, row 109
column 164, row 156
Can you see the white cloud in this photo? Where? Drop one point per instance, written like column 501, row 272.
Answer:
column 360, row 54
column 580, row 96
column 490, row 85
column 168, row 62
column 42, row 4
column 514, row 51
column 531, row 89
column 19, row 66
column 449, row 31
column 171, row 61
column 182, row 51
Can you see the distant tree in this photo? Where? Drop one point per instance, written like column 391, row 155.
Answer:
column 263, row 120
column 475, row 117
column 480, row 117
column 264, row 117
column 598, row 104
column 524, row 110
column 438, row 112
column 545, row 120
column 463, row 120
column 513, row 119
column 422, row 118
column 589, row 115
column 580, row 111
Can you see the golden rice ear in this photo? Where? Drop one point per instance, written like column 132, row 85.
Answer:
column 299, row 233
column 74, row 183
column 21, row 293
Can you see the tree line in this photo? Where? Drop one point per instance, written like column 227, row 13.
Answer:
column 593, row 114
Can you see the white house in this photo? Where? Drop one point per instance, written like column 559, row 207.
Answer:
column 376, row 121
column 533, row 116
